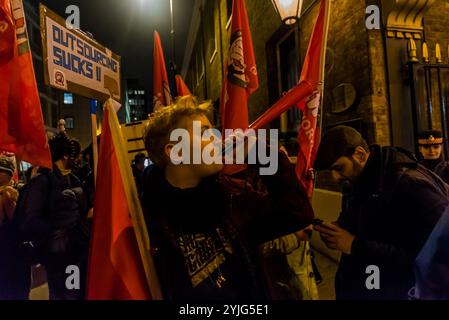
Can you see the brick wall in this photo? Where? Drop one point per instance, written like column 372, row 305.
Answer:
column 436, row 27
column 353, row 54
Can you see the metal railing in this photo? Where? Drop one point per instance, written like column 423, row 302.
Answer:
column 429, row 88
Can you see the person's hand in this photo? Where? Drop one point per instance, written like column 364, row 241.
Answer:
column 304, row 234
column 335, row 237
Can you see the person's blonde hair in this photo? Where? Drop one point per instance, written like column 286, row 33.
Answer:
column 165, row 120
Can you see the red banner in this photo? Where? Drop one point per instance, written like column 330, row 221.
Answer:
column 181, row 87
column 22, row 129
column 241, row 78
column 161, row 87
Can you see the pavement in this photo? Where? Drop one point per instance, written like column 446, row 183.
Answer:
column 326, row 266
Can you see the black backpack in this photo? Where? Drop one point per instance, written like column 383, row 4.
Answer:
column 22, row 221
column 35, row 232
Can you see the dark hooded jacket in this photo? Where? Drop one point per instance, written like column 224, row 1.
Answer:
column 440, row 167
column 391, row 210
column 432, row 264
column 203, row 235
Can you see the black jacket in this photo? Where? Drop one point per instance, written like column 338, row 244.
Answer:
column 391, row 211
column 50, row 209
column 440, row 167
column 214, row 229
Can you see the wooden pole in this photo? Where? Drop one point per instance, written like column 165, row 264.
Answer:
column 93, row 117
column 328, row 5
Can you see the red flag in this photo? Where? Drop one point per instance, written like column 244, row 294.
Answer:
column 120, row 263
column 241, row 78
column 298, row 93
column 161, row 88
column 181, row 87
column 309, row 131
column 22, row 128
column 307, row 96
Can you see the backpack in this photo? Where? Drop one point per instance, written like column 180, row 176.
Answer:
column 41, row 236
column 27, row 230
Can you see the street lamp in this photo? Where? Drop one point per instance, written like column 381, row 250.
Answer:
column 288, row 10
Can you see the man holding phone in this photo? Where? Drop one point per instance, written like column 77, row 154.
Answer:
column 392, row 205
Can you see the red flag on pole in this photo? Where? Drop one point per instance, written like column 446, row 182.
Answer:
column 161, row 88
column 181, row 87
column 309, row 132
column 298, row 93
column 22, row 129
column 241, row 78
column 307, row 95
column 120, row 262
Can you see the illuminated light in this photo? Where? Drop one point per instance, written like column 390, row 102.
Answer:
column 289, row 11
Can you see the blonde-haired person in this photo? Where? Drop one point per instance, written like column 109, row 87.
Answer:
column 206, row 228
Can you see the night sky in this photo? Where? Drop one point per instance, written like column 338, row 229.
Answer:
column 127, row 26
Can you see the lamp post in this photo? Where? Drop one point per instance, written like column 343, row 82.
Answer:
column 289, row 11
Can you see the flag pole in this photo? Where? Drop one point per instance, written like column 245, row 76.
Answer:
column 323, row 59
column 93, row 118
column 136, row 213
column 328, row 4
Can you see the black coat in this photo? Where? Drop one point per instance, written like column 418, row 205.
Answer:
column 49, row 214
column 50, row 204
column 443, row 171
column 432, row 264
column 248, row 211
column 391, row 211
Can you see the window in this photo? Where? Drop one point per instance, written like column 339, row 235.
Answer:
column 213, row 39
column 200, row 61
column 289, row 74
column 229, row 12
column 69, row 123
column 283, row 68
column 68, row 98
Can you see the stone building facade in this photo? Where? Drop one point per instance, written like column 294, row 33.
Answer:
column 368, row 83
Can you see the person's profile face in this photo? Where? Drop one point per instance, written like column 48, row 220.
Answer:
column 202, row 170
column 70, row 163
column 343, row 171
column 431, row 152
column 346, row 170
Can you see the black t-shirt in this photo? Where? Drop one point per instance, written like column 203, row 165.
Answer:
column 213, row 261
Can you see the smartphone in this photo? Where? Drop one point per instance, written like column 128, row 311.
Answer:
column 317, row 222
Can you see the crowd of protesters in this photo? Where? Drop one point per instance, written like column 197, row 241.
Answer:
column 221, row 237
